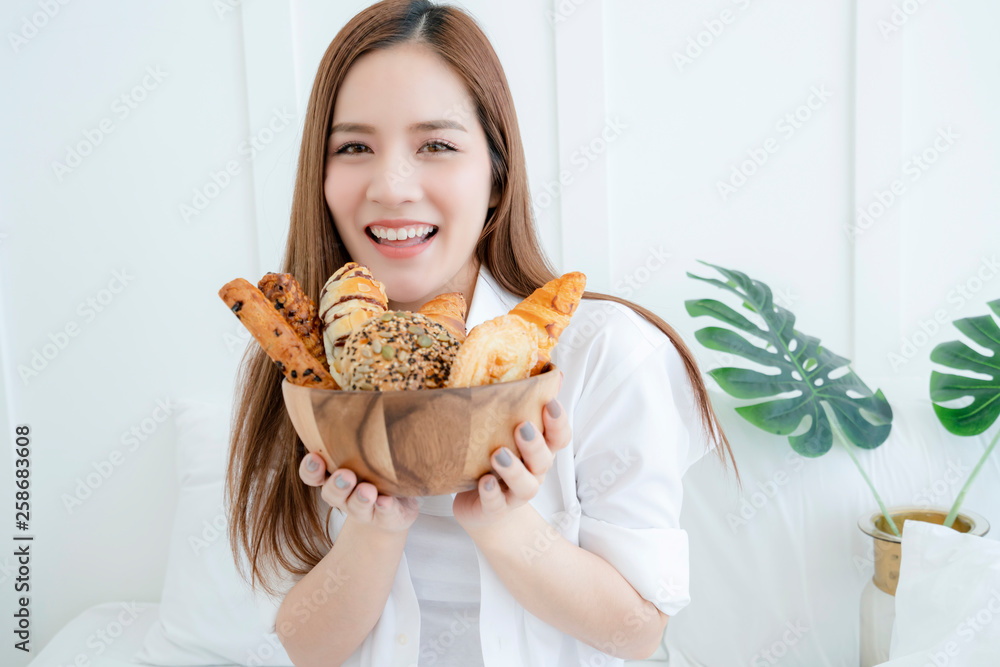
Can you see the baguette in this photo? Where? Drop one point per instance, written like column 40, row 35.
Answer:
column 276, row 336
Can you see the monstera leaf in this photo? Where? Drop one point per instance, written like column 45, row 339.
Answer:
column 802, row 365
column 980, row 414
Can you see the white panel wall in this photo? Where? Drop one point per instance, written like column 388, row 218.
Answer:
column 950, row 237
column 698, row 105
column 663, row 132
column 159, row 336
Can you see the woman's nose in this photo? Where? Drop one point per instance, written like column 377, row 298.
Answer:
column 394, row 181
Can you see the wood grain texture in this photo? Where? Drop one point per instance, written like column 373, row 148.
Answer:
column 417, row 443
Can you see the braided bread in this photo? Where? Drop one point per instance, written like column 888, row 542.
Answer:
column 291, row 301
column 349, row 298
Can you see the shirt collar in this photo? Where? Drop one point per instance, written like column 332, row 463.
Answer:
column 489, row 300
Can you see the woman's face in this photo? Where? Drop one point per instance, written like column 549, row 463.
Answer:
column 407, row 154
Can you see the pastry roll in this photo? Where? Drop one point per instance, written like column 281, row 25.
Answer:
column 349, row 298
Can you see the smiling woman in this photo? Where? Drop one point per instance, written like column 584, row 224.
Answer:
column 405, row 137
column 412, row 164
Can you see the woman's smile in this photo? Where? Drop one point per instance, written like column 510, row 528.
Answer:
column 396, row 240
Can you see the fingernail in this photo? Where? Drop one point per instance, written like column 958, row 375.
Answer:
column 503, row 457
column 553, row 408
column 340, row 482
column 489, row 484
column 528, row 431
column 312, row 465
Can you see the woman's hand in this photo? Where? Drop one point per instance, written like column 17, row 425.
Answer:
column 362, row 503
column 486, row 506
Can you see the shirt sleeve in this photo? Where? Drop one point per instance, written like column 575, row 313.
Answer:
column 635, row 434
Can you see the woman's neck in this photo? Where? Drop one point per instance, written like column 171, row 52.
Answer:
column 464, row 281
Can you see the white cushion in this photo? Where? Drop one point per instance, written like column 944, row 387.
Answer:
column 105, row 635
column 948, row 599
column 207, row 613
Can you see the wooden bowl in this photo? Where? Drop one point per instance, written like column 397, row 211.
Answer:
column 420, row 442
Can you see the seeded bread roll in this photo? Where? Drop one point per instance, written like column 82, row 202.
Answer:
column 398, row 350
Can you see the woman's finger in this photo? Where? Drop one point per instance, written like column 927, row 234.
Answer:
column 491, row 496
column 520, row 481
column 338, row 487
column 312, row 470
column 534, row 451
column 361, row 503
column 556, row 425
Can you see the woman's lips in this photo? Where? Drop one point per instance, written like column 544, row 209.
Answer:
column 400, row 249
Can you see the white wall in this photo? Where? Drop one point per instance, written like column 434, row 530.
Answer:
column 576, row 68
column 162, row 335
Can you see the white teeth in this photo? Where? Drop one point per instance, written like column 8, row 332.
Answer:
column 401, row 234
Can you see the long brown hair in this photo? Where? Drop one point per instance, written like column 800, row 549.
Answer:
column 275, row 518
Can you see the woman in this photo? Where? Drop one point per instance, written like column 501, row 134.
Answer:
column 411, row 163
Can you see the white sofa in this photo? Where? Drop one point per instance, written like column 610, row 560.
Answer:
column 777, row 571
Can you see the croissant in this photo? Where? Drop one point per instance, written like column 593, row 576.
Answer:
column 503, row 349
column 448, row 310
column 349, row 298
column 548, row 309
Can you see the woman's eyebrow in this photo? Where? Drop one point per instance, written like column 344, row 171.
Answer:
column 425, row 126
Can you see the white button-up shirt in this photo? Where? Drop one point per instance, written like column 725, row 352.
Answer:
column 614, row 491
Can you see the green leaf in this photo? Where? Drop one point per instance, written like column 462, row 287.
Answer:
column 980, row 414
column 721, row 311
column 802, row 366
column 744, row 383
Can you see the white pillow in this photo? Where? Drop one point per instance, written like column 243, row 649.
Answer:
column 781, row 567
column 208, row 615
column 948, row 599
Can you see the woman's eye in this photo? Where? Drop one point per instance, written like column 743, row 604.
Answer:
column 443, row 146
column 438, row 146
column 345, row 147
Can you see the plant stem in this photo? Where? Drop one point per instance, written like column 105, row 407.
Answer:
column 975, row 471
column 878, row 499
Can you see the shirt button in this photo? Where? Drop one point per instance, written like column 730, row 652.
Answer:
column 401, row 639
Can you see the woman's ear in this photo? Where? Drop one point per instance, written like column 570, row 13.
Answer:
column 494, row 197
